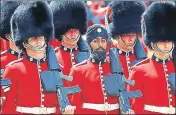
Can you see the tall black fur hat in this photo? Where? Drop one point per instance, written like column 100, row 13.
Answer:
column 34, row 19
column 67, row 15
column 125, row 16
column 7, row 9
column 159, row 22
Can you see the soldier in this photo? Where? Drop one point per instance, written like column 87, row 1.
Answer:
column 32, row 28
column 12, row 53
column 70, row 24
column 124, row 24
column 88, row 75
column 152, row 76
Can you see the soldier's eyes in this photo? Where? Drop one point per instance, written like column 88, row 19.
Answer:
column 103, row 41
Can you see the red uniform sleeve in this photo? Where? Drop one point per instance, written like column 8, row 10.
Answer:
column 76, row 99
column 137, row 103
column 9, row 104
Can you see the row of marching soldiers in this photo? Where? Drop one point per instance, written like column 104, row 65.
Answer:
column 108, row 73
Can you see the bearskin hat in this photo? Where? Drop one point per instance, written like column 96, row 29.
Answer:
column 125, row 16
column 34, row 19
column 7, row 9
column 67, row 15
column 159, row 22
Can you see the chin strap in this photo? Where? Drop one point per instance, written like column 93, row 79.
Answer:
column 126, row 44
column 159, row 50
column 34, row 48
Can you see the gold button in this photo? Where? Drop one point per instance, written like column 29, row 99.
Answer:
column 100, row 68
column 31, row 59
column 157, row 59
column 42, row 110
column 170, row 99
column 170, row 95
column 65, row 49
column 43, row 95
column 120, row 51
column 12, row 52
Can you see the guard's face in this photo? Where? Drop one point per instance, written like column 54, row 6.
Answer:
column 129, row 39
column 165, row 46
column 99, row 44
column 37, row 42
column 72, row 35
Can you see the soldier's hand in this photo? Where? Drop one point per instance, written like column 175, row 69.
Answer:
column 69, row 110
column 129, row 112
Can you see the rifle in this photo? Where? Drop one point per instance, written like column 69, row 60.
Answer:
column 52, row 80
column 108, row 30
column 115, row 83
column 172, row 81
column 139, row 53
column 84, row 52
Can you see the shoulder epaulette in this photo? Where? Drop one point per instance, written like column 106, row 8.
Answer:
column 15, row 61
column 3, row 52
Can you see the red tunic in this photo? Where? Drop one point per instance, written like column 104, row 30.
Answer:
column 151, row 79
column 88, row 77
column 26, row 89
column 66, row 59
column 125, row 59
column 8, row 56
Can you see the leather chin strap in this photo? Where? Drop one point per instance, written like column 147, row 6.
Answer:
column 159, row 50
column 126, row 44
column 34, row 48
column 64, row 37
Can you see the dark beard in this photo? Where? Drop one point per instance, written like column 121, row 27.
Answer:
column 99, row 54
